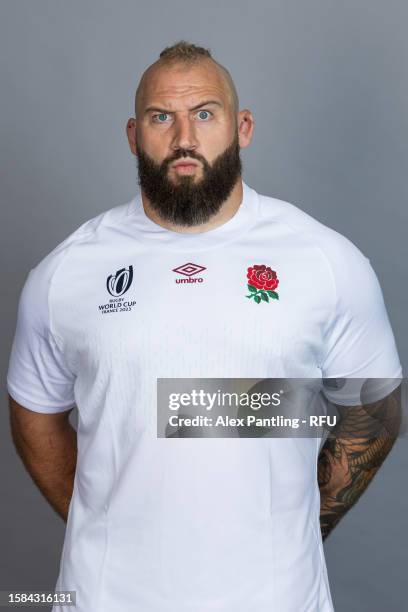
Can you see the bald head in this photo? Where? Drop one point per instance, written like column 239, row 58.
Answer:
column 215, row 73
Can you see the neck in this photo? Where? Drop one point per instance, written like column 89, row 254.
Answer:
column 226, row 212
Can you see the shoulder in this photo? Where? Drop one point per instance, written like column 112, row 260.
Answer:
column 344, row 269
column 88, row 232
column 35, row 292
column 341, row 255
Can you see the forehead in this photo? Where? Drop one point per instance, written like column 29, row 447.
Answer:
column 178, row 85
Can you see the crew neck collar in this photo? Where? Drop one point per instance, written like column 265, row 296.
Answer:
column 151, row 232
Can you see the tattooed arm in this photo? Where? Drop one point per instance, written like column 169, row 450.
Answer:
column 353, row 453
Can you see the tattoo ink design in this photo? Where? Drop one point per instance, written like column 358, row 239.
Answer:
column 352, row 455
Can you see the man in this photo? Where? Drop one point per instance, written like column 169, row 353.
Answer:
column 158, row 524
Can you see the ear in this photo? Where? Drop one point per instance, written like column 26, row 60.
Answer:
column 131, row 134
column 246, row 125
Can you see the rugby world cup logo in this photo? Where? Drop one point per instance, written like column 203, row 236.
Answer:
column 117, row 284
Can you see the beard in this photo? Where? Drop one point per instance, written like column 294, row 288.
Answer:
column 186, row 202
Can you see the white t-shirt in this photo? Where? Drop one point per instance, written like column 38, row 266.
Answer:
column 194, row 525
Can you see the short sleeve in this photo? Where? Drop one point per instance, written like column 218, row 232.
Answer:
column 38, row 377
column 359, row 341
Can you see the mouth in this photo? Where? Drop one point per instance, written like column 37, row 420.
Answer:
column 185, row 165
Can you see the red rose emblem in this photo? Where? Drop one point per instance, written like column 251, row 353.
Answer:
column 262, row 282
column 262, row 277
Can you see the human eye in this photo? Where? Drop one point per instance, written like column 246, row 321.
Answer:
column 204, row 115
column 160, row 117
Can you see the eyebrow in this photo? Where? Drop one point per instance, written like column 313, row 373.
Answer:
column 163, row 110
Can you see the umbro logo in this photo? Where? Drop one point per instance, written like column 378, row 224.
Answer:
column 189, row 270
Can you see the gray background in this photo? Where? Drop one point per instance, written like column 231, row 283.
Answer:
column 327, row 83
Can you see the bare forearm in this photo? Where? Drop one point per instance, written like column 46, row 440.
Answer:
column 350, row 458
column 50, row 459
column 344, row 475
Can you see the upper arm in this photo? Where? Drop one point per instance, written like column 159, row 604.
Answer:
column 33, row 432
column 359, row 344
column 38, row 378
column 24, row 421
column 371, row 420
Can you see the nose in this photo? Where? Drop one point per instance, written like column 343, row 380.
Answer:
column 184, row 134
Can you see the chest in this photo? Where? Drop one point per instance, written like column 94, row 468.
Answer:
column 239, row 312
